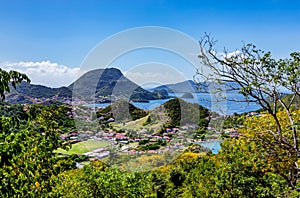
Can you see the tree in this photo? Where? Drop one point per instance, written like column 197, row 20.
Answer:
column 27, row 160
column 12, row 77
column 27, row 141
column 237, row 171
column 278, row 159
column 260, row 78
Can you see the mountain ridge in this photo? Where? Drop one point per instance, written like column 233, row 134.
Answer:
column 110, row 82
column 188, row 86
column 100, row 85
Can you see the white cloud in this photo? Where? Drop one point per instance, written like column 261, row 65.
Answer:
column 152, row 74
column 146, row 79
column 45, row 72
column 232, row 54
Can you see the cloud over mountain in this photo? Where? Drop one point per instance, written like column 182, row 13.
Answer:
column 45, row 72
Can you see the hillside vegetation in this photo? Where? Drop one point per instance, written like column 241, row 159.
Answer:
column 120, row 111
column 110, row 82
column 173, row 113
column 183, row 113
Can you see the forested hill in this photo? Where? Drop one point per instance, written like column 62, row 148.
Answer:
column 188, row 86
column 111, row 82
column 181, row 112
column 120, row 111
column 40, row 91
column 29, row 93
column 191, row 86
column 94, row 85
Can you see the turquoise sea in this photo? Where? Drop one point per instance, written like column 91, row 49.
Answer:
column 214, row 146
column 226, row 105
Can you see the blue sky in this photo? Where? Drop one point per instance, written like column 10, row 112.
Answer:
column 63, row 32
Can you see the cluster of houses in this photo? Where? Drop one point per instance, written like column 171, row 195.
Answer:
column 250, row 114
column 72, row 137
column 175, row 138
column 161, row 150
column 104, row 152
column 98, row 153
column 123, row 138
column 125, row 141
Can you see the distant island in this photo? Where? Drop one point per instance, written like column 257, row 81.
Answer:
column 187, row 95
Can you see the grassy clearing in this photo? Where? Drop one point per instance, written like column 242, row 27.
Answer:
column 83, row 147
column 132, row 125
column 137, row 125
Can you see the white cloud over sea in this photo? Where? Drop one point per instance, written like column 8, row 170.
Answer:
column 45, row 72
column 149, row 79
column 154, row 74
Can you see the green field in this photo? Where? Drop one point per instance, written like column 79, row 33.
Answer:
column 137, row 125
column 83, row 147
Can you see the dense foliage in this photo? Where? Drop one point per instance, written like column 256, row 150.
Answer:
column 40, row 91
column 28, row 138
column 236, row 172
column 120, row 111
column 12, row 78
column 182, row 113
